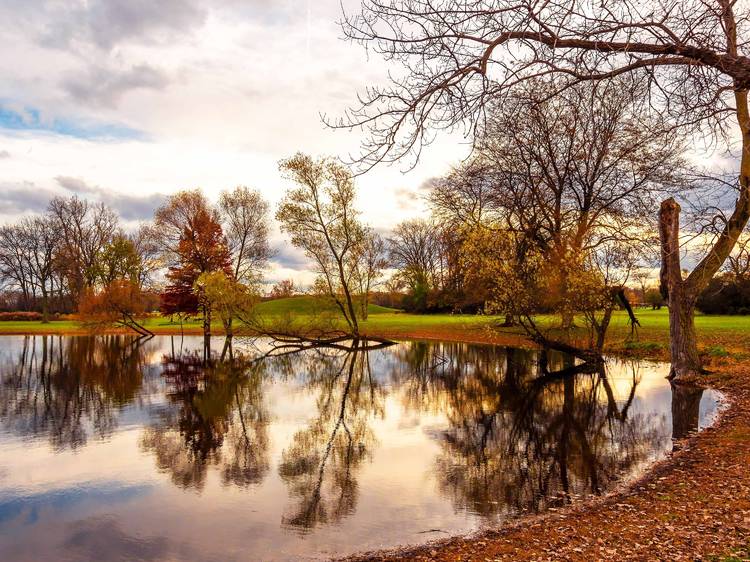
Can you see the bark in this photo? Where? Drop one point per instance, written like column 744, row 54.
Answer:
column 45, row 305
column 634, row 322
column 207, row 333
column 680, row 295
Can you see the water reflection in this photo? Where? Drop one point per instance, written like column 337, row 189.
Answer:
column 216, row 418
column 69, row 389
column 527, row 431
column 348, row 449
column 319, row 466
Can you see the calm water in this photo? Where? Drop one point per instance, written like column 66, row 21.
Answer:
column 113, row 449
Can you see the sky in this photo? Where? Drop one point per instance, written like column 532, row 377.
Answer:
column 127, row 101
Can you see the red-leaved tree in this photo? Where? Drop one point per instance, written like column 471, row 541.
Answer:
column 200, row 247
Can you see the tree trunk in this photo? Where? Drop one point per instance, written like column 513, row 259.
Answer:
column 207, row 332
column 509, row 321
column 45, row 306
column 680, row 295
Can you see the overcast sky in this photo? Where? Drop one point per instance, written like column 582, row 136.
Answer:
column 128, row 100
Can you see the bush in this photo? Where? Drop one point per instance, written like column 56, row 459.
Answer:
column 725, row 294
column 653, row 297
column 20, row 316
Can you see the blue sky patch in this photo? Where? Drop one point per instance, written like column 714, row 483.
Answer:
column 30, row 119
column 29, row 506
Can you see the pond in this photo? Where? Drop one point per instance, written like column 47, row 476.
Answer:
column 122, row 449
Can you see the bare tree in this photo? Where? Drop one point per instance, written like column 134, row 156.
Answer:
column 15, row 269
column 245, row 218
column 320, row 216
column 738, row 262
column 573, row 173
column 148, row 251
column 413, row 249
column 370, row 261
column 466, row 196
column 85, row 230
column 460, row 56
column 182, row 212
column 41, row 242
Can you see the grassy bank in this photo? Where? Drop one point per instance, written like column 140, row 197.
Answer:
column 719, row 336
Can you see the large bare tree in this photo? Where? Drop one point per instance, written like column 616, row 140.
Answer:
column 85, row 229
column 458, row 56
column 574, row 173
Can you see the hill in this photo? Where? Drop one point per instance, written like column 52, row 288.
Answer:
column 306, row 305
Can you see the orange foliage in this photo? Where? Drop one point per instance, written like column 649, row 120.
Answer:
column 119, row 303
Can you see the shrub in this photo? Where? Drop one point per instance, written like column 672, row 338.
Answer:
column 725, row 294
column 20, row 316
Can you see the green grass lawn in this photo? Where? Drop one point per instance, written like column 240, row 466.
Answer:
column 714, row 332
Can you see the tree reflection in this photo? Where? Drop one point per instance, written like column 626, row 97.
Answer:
column 527, row 431
column 319, row 466
column 686, row 400
column 217, row 419
column 517, row 430
column 70, row 388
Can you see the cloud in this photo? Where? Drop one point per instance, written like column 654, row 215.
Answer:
column 105, row 87
column 129, row 207
column 24, row 198
column 106, row 23
column 133, row 207
column 28, row 197
column 289, row 257
column 76, row 185
column 100, row 539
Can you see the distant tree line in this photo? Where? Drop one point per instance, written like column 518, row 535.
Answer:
column 78, row 258
column 49, row 262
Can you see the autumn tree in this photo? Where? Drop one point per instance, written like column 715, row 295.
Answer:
column 320, row 217
column 117, row 303
column 225, row 296
column 283, row 289
column 85, row 229
column 457, row 58
column 577, row 173
column 191, row 239
column 118, row 259
column 370, row 261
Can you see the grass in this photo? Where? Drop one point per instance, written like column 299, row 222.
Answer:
column 719, row 336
